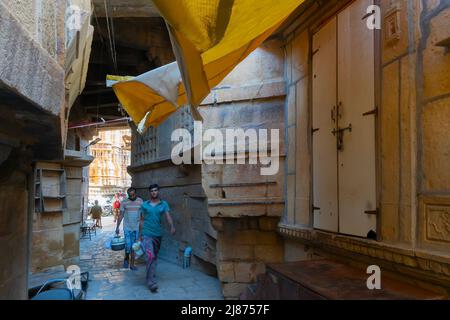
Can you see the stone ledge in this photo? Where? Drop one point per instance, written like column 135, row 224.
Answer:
column 26, row 68
column 153, row 164
column 244, row 201
column 245, row 207
column 428, row 262
column 269, row 89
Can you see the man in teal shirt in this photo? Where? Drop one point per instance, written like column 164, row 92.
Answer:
column 150, row 231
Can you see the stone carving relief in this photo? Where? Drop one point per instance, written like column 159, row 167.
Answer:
column 438, row 223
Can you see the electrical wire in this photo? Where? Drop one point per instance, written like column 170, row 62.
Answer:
column 113, row 56
column 113, row 34
column 98, row 26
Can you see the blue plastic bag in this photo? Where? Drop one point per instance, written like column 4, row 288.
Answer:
column 107, row 244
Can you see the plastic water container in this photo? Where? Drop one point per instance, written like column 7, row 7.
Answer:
column 137, row 248
column 118, row 243
column 187, row 257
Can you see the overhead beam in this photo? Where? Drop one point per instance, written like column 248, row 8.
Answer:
column 96, row 83
column 123, row 8
column 122, row 63
column 102, row 106
column 104, row 116
column 91, row 92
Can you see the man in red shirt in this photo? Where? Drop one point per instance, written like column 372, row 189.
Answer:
column 116, row 207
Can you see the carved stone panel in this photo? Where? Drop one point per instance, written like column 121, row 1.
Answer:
column 434, row 223
column 438, row 222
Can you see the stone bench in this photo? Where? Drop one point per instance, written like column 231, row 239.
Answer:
column 329, row 280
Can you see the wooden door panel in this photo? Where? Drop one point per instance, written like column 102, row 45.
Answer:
column 324, row 143
column 357, row 185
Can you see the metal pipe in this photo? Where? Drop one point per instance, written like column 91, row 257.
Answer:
column 125, row 120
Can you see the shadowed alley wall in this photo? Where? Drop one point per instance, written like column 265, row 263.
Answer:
column 35, row 99
column 244, row 205
column 31, row 39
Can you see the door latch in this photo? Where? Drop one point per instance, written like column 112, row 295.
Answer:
column 340, row 135
column 349, row 128
column 333, row 113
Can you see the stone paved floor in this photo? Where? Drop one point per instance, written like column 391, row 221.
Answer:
column 108, row 280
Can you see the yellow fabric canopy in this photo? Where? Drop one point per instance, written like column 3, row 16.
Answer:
column 209, row 38
column 152, row 97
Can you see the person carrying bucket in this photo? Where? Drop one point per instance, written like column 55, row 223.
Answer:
column 130, row 214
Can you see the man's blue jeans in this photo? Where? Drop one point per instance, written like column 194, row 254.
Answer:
column 130, row 239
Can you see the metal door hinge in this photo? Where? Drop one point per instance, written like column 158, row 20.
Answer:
column 372, row 212
column 371, row 112
column 369, row 14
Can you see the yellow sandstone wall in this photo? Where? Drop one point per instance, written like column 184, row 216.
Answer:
column 414, row 126
column 39, row 18
column 31, row 79
column 244, row 205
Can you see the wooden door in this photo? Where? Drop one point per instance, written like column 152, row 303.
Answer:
column 324, row 143
column 356, row 97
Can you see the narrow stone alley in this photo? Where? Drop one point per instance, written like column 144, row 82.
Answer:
column 109, row 281
column 294, row 149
